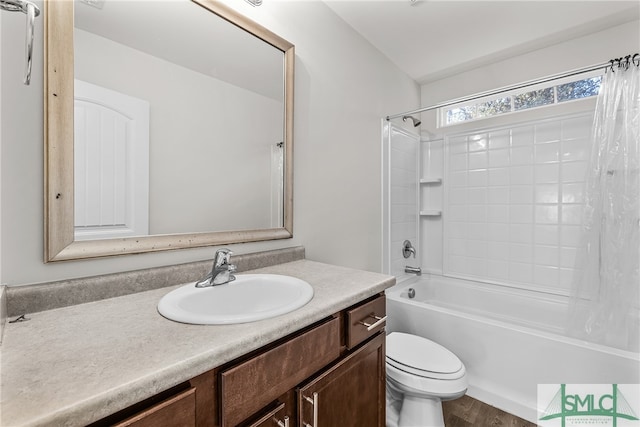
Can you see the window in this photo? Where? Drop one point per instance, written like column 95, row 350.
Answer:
column 533, row 99
column 579, row 89
column 520, row 100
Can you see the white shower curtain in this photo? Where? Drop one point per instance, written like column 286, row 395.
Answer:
column 605, row 294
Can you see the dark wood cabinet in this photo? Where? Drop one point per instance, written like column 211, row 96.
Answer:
column 349, row 394
column 256, row 382
column 330, row 374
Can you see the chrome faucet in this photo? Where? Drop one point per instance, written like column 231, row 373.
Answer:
column 221, row 272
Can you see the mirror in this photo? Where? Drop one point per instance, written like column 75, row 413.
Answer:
column 172, row 131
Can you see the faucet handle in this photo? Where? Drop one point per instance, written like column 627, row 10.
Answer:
column 408, row 249
column 222, row 257
column 231, row 269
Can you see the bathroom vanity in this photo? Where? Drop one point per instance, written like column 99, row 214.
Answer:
column 330, row 373
column 118, row 362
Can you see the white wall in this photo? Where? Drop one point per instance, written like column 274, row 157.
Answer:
column 343, row 88
column 595, row 48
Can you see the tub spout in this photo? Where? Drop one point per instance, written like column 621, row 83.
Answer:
column 413, row 270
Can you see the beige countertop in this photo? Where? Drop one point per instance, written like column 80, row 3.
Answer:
column 75, row 365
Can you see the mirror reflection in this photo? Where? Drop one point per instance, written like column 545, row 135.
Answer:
column 178, row 122
column 168, row 125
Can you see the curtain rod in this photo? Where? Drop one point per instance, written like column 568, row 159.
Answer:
column 510, row 88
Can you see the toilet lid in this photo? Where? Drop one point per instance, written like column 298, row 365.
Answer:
column 421, row 354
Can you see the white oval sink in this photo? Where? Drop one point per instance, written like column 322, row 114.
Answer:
column 249, row 298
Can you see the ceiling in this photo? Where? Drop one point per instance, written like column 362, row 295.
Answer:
column 193, row 41
column 431, row 39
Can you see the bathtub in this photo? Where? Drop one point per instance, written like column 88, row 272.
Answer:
column 510, row 340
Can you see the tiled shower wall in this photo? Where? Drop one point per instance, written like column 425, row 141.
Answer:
column 512, row 203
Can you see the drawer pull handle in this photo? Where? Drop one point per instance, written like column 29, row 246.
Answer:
column 313, row 402
column 371, row 326
column 284, row 423
column 271, row 415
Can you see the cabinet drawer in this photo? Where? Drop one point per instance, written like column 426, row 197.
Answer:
column 365, row 320
column 251, row 385
column 177, row 411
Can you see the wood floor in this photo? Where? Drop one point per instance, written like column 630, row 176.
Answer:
column 469, row 412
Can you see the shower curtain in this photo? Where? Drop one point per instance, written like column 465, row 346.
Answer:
column 606, row 287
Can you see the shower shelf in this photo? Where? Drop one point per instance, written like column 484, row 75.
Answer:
column 431, row 180
column 431, row 212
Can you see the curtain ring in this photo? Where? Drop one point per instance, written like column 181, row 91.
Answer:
column 636, row 59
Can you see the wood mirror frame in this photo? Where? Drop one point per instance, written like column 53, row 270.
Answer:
column 60, row 243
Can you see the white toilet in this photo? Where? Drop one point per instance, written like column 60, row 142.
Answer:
column 420, row 375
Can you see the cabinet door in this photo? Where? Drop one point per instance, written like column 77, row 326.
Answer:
column 349, row 394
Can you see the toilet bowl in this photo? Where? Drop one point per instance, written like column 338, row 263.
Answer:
column 420, row 375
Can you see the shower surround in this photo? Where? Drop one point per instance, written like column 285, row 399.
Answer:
column 498, row 217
